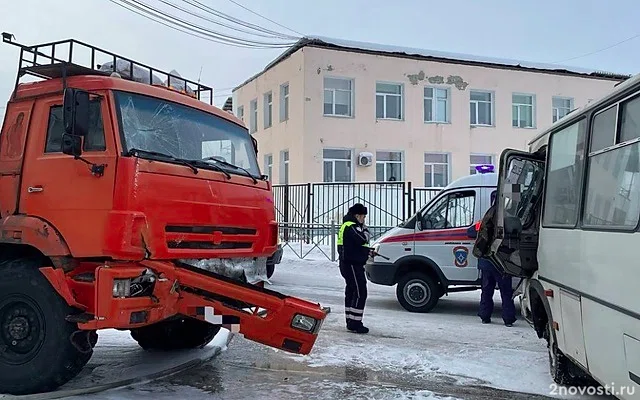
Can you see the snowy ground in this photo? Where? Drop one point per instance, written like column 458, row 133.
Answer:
column 446, row 354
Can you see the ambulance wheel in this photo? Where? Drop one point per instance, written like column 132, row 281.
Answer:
column 175, row 334
column 40, row 350
column 418, row 292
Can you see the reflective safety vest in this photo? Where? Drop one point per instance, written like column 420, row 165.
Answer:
column 341, row 232
column 344, row 226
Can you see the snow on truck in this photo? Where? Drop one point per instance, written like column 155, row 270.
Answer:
column 430, row 254
column 127, row 202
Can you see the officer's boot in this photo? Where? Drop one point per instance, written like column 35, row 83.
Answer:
column 357, row 327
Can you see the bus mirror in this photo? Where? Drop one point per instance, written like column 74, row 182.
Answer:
column 72, row 145
column 75, row 117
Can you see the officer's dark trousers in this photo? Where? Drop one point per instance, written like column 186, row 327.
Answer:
column 491, row 276
column 355, row 293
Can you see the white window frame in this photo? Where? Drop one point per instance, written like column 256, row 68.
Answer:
column 472, row 166
column 401, row 162
column 253, row 117
column 240, row 113
column 285, row 171
column 351, row 92
column 268, row 166
column 385, row 96
column 268, row 109
column 447, row 164
column 555, row 111
column 333, row 161
column 475, row 103
column 284, row 102
column 434, row 105
column 519, row 105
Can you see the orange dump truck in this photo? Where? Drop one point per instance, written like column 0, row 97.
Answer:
column 128, row 202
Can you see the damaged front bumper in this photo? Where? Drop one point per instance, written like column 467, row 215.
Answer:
column 252, row 270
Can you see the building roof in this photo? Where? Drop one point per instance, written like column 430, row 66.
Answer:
column 437, row 56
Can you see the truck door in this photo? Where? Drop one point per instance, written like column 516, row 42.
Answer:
column 62, row 190
column 442, row 236
column 516, row 220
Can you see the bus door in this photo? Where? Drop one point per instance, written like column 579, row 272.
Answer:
column 516, row 228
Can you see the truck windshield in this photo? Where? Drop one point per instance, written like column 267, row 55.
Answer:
column 160, row 126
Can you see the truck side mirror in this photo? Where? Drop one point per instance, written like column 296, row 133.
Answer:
column 76, row 112
column 255, row 144
column 72, row 145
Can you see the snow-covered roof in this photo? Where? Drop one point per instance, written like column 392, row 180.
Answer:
column 434, row 55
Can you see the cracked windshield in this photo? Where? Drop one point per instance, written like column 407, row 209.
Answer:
column 182, row 132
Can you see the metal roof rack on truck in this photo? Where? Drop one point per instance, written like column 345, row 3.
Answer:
column 59, row 65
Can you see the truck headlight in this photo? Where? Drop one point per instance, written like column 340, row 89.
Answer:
column 304, row 323
column 121, row 287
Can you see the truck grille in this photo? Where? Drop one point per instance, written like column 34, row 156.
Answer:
column 209, row 237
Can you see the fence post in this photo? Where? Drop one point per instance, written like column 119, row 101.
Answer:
column 310, row 231
column 333, row 239
column 408, row 208
column 286, row 211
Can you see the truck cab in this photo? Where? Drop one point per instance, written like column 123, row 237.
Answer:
column 430, row 254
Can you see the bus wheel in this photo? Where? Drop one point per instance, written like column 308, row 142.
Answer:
column 563, row 370
column 40, row 350
column 418, row 292
column 175, row 334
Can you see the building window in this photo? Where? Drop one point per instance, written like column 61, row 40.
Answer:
column 481, row 108
column 476, row 160
column 253, row 117
column 240, row 113
column 388, row 101
column 268, row 110
column 522, row 110
column 336, row 165
column 268, row 165
column 613, row 191
column 388, row 166
column 284, row 102
column 436, row 170
column 338, row 97
column 284, row 167
column 561, row 107
column 436, row 104
column 565, row 168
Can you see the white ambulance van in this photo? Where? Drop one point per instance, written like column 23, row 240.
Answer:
column 430, row 254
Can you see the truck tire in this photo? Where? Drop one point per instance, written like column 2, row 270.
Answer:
column 175, row 334
column 38, row 354
column 271, row 268
column 418, row 292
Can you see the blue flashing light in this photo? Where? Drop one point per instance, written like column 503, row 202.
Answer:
column 485, row 169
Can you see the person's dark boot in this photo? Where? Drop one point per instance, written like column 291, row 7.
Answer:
column 486, row 320
column 357, row 327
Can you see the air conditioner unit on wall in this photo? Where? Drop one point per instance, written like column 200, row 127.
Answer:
column 365, row 159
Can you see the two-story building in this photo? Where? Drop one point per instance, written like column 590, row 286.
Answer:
column 330, row 110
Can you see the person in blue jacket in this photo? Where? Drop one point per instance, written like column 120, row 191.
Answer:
column 492, row 276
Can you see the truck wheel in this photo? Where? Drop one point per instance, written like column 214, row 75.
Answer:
column 418, row 292
column 271, row 268
column 175, row 334
column 37, row 354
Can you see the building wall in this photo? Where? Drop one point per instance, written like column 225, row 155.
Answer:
column 411, row 135
column 281, row 136
column 308, row 131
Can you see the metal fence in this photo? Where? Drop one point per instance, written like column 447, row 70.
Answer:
column 311, row 213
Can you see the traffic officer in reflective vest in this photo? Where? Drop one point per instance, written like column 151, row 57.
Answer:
column 353, row 250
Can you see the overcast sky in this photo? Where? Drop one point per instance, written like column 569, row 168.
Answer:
column 542, row 30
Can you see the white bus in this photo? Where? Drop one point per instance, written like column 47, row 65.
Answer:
column 567, row 222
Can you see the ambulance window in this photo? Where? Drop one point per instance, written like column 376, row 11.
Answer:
column 455, row 210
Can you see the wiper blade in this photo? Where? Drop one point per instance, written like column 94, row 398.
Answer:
column 224, row 162
column 186, row 163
